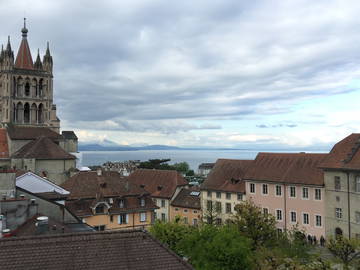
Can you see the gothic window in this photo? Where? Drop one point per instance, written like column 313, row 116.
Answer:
column 33, row 114
column 19, row 112
column 26, row 113
column 27, row 89
column 35, row 87
column 41, row 87
column 41, row 113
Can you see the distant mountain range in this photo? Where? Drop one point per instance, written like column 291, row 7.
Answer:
column 107, row 145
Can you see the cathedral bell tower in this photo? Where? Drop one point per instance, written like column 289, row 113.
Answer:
column 26, row 88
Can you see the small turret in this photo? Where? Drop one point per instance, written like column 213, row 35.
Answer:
column 1, row 56
column 38, row 65
column 47, row 60
column 8, row 56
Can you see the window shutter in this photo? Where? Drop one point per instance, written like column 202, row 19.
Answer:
column 127, row 218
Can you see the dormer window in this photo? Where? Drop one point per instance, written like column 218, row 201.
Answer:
column 159, row 188
column 121, row 203
column 100, row 209
column 142, row 202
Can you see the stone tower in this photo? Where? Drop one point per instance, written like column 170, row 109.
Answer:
column 26, row 88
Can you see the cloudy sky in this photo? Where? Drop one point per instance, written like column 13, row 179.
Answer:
column 199, row 73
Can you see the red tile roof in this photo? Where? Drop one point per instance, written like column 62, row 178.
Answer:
column 160, row 183
column 88, row 184
column 100, row 250
column 4, row 147
column 295, row 168
column 31, row 133
column 227, row 175
column 188, row 198
column 42, row 148
column 345, row 154
column 23, row 58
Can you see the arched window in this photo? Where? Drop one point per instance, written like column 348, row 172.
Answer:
column 19, row 85
column 26, row 113
column 33, row 113
column 338, row 232
column 41, row 87
column 27, row 89
column 14, row 112
column 19, row 112
column 34, row 87
column 13, row 90
column 41, row 114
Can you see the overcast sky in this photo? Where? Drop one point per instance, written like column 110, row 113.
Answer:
column 199, row 73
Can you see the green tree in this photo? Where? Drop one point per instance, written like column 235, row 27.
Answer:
column 170, row 233
column 217, row 248
column 182, row 167
column 344, row 249
column 252, row 223
column 159, row 164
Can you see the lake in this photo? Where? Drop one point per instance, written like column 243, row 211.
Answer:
column 192, row 157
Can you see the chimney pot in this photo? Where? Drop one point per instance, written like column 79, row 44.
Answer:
column 99, row 172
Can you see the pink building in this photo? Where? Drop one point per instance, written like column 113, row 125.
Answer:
column 291, row 187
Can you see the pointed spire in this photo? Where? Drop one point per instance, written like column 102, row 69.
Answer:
column 47, row 60
column 8, row 52
column 38, row 64
column 8, row 46
column 23, row 58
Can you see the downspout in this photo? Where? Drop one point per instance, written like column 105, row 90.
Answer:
column 285, row 212
column 348, row 197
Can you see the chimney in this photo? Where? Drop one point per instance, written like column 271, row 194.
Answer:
column 42, row 225
column 6, row 233
column 99, row 172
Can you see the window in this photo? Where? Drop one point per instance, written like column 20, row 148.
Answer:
column 357, row 216
column 185, row 220
column 278, row 214
column 209, row 194
column 195, row 211
column 111, row 218
column 142, row 202
column 163, row 217
column 305, row 193
column 209, row 205
column 265, row 211
column 278, row 190
column 293, row 216
column 337, row 182
column 318, row 221
column 218, row 195
column 123, row 219
column 143, row 217
column 121, row 204
column 264, row 189
column 185, row 210
column 239, row 197
column 228, row 196
column 293, row 192
column 228, row 208
column 100, row 209
column 252, row 188
column 338, row 212
column 176, row 209
column 195, row 222
column 155, row 201
column 357, row 183
column 305, row 218
column 218, row 221
column 317, row 194
column 99, row 228
column 218, row 207
column 337, row 198
column 162, row 203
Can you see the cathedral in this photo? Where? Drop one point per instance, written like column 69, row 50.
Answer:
column 26, row 87
column 30, row 138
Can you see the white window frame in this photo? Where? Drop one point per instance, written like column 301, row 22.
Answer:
column 338, row 214
column 315, row 199
column 290, row 192
column 126, row 219
column 250, row 185
column 315, row 221
column 302, row 193
column 280, row 186
column 296, row 217
column 303, row 218
column 142, row 217
column 276, row 214
column 267, row 210
column 266, row 186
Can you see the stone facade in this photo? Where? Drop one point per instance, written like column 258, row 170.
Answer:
column 26, row 88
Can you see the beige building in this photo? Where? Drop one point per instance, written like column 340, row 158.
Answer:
column 106, row 201
column 186, row 207
column 342, row 188
column 223, row 189
column 163, row 185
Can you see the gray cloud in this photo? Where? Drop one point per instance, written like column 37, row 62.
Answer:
column 137, row 65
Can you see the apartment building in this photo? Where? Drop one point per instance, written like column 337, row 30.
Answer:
column 163, row 186
column 186, row 206
column 289, row 186
column 105, row 200
column 223, row 189
column 342, row 188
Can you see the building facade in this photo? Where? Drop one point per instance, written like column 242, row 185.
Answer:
column 186, row 207
column 26, row 87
